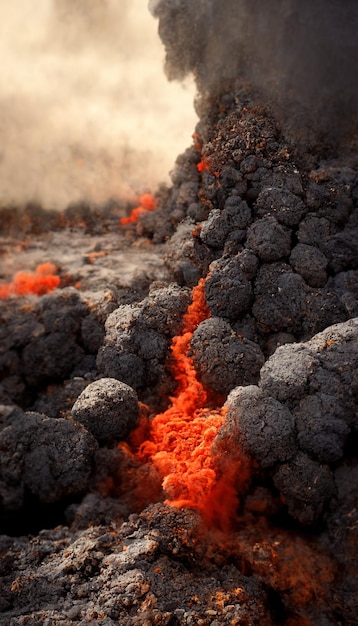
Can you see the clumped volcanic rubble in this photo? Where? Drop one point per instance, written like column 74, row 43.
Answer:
column 274, row 230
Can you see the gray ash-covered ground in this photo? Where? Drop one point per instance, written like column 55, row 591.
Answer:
column 274, row 230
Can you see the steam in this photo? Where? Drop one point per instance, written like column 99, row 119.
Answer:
column 86, row 112
column 301, row 55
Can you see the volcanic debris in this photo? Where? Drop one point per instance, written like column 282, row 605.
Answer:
column 272, row 228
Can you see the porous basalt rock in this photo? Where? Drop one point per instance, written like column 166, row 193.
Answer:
column 256, row 420
column 310, row 263
column 287, row 207
column 41, row 344
column 235, row 216
column 228, row 292
column 137, row 336
column 222, row 358
column 107, row 408
column 299, row 417
column 48, row 458
column 268, row 239
column 307, row 487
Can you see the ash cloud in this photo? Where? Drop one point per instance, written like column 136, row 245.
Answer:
column 301, row 55
column 86, row 112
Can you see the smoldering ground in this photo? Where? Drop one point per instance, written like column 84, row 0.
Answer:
column 86, row 112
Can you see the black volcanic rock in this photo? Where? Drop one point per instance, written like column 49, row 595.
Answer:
column 224, row 359
column 282, row 204
column 107, row 408
column 228, row 292
column 300, row 416
column 137, row 337
column 256, row 420
column 268, row 239
column 48, row 458
column 307, row 487
column 310, row 263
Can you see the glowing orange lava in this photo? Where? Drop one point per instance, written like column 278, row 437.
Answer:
column 42, row 280
column 181, row 438
column 203, row 165
column 146, row 203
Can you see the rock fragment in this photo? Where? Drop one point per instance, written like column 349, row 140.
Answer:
column 310, row 263
column 307, row 487
column 261, row 424
column 138, row 335
column 282, row 204
column 107, row 408
column 228, row 291
column 223, row 358
column 268, row 239
column 48, row 458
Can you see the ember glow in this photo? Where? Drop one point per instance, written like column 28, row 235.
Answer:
column 181, row 438
column 146, row 204
column 203, row 165
column 42, row 280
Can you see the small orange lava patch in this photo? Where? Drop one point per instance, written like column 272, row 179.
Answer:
column 203, row 165
column 146, row 203
column 42, row 280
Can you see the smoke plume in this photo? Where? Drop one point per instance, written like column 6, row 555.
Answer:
column 86, row 112
column 300, row 55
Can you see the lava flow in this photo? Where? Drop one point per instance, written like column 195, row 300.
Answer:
column 146, row 204
column 43, row 280
column 181, row 438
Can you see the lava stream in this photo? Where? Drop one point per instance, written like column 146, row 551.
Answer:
column 181, row 438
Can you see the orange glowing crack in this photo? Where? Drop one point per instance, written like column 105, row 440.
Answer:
column 146, row 204
column 181, row 438
column 43, row 280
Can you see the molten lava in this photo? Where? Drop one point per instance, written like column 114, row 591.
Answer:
column 203, row 165
column 42, row 280
column 146, row 203
column 181, row 438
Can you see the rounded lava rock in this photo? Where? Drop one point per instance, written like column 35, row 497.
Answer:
column 224, row 359
column 228, row 292
column 311, row 263
column 269, row 239
column 107, row 408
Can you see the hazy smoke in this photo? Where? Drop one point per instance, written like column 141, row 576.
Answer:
column 86, row 112
column 301, row 54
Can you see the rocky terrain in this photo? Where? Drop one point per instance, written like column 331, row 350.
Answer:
column 179, row 416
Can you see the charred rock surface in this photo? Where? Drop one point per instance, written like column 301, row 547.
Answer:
column 43, row 344
column 300, row 417
column 223, row 358
column 137, row 339
column 107, row 408
column 137, row 573
column 46, row 458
